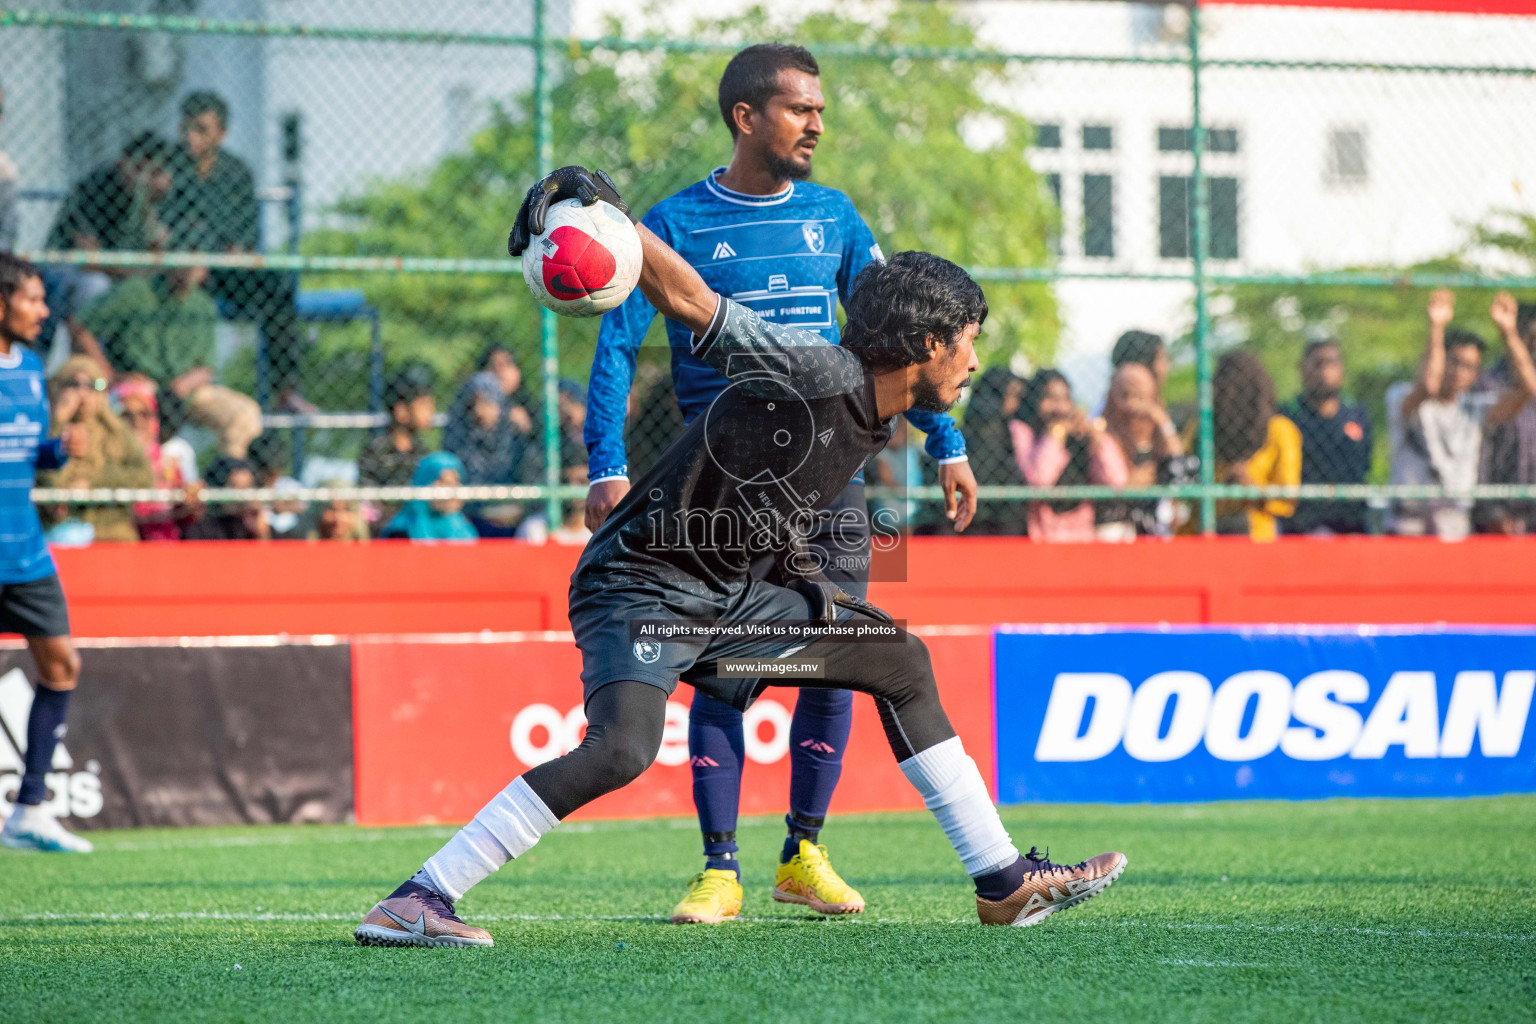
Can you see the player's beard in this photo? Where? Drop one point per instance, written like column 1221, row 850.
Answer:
column 784, row 168
column 925, row 395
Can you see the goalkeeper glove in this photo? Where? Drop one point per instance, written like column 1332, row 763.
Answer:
column 572, row 182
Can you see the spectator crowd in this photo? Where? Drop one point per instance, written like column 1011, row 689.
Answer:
column 1458, row 423
column 140, row 378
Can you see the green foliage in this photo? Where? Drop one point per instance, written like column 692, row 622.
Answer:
column 895, row 143
column 1512, row 233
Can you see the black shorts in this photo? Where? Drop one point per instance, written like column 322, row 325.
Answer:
column 601, row 621
column 34, row 608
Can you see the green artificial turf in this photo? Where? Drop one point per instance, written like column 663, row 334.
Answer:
column 1340, row 910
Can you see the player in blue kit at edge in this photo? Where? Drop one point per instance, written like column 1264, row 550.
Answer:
column 760, row 234
column 31, row 600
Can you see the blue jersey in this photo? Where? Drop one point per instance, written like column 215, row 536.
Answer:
column 788, row 257
column 24, row 449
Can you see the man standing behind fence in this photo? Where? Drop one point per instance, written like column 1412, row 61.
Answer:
column 1335, row 441
column 213, row 206
column 758, row 233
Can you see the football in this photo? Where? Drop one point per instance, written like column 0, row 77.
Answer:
column 586, row 262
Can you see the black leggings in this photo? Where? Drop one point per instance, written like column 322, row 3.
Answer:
column 625, row 719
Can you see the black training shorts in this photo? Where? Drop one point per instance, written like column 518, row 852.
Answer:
column 34, row 608
column 601, row 621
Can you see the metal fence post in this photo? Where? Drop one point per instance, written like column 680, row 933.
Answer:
column 1200, row 250
column 544, row 144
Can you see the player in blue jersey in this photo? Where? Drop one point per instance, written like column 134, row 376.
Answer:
column 759, row 233
column 31, row 600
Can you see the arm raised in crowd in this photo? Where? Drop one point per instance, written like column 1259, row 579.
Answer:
column 1441, row 308
column 1522, row 372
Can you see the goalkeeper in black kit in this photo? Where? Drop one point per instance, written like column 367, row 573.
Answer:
column 800, row 418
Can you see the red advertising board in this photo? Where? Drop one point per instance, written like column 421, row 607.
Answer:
column 443, row 723
column 1442, row 6
column 240, row 588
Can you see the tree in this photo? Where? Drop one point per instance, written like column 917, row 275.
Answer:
column 897, row 143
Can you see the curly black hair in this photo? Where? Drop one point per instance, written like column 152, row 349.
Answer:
column 896, row 305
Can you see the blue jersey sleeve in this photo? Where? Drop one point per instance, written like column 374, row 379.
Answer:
column 50, row 454
column 859, row 248
column 944, row 441
column 613, row 374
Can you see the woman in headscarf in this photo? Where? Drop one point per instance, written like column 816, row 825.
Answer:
column 140, row 409
column 518, row 408
column 995, row 400
column 441, row 519
column 480, row 434
column 114, row 457
column 1056, row 444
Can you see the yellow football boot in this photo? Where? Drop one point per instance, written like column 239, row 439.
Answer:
column 713, row 896
column 808, row 879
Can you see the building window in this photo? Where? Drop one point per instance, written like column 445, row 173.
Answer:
column 1221, row 140
column 1346, row 157
column 1182, row 140
column 1099, row 215
column 1098, row 137
column 1077, row 164
column 1175, row 217
column 1053, row 184
column 1175, row 140
column 1175, row 201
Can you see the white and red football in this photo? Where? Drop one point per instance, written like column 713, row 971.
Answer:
column 586, row 262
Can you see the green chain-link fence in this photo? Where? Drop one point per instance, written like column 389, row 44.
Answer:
column 1223, row 225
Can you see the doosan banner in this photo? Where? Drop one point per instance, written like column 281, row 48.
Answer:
column 1208, row 714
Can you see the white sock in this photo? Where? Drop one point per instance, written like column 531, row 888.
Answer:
column 505, row 828
column 952, row 789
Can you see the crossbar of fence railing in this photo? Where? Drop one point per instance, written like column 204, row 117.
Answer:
column 223, row 495
column 275, row 194
column 336, row 420
column 437, row 265
column 1086, row 492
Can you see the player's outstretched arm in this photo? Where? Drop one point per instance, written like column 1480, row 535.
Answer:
column 673, row 286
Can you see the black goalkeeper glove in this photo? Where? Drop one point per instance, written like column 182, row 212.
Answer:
column 572, row 182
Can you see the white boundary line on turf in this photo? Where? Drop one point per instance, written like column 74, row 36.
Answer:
column 1313, row 929
column 403, row 833
column 217, row 915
